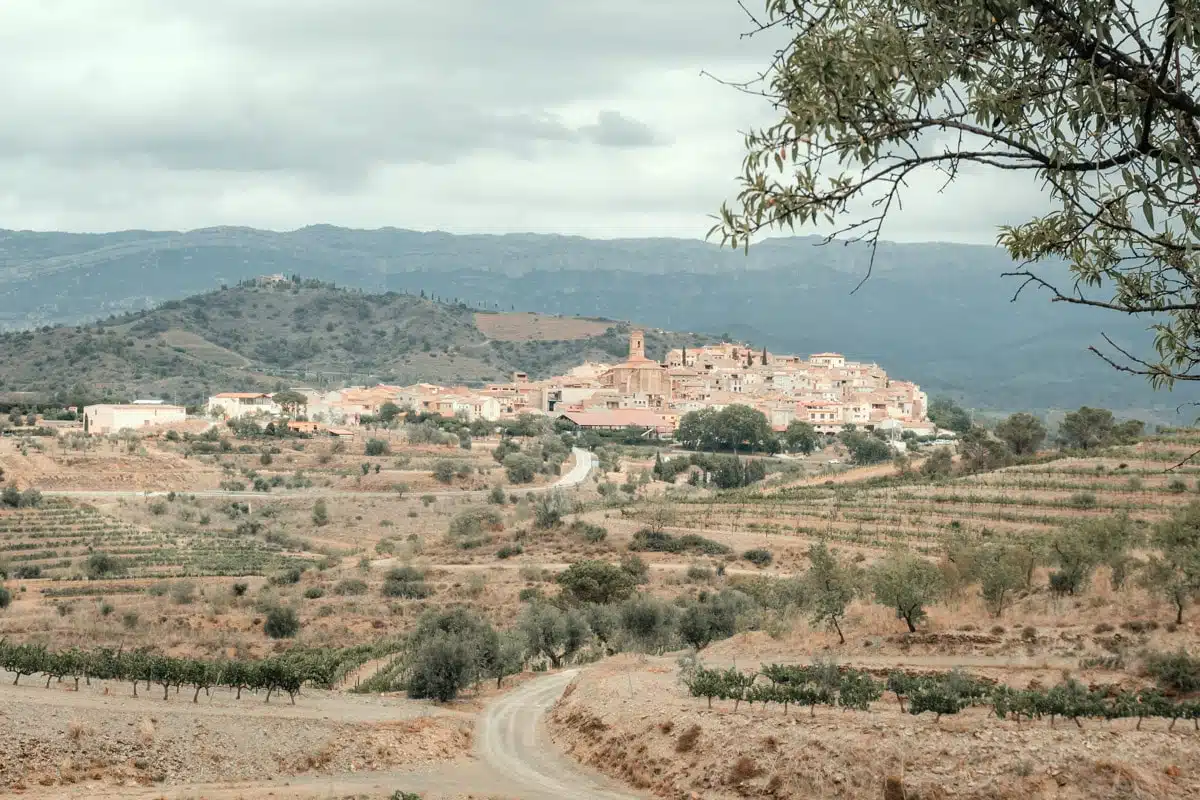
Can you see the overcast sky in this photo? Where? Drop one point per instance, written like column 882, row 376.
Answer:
column 468, row 116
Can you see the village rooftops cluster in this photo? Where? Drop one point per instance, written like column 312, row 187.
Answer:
column 824, row 390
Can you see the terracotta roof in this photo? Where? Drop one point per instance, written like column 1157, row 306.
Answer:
column 242, row 394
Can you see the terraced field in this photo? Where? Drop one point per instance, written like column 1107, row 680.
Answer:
column 54, row 540
column 1020, row 503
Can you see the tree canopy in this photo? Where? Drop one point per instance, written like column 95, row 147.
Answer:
column 1097, row 101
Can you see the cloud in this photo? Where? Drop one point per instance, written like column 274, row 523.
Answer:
column 614, row 129
column 527, row 115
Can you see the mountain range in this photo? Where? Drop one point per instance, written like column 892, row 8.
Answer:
column 939, row 314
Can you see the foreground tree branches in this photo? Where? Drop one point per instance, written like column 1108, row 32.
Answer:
column 1097, row 100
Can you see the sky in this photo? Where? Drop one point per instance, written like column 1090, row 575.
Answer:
column 476, row 116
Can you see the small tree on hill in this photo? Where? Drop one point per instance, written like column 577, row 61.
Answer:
column 1175, row 576
column 831, row 588
column 1022, row 432
column 907, row 583
column 800, row 437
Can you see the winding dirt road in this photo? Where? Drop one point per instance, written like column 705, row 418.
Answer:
column 513, row 756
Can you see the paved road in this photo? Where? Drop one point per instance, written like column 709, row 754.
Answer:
column 585, row 462
column 514, row 758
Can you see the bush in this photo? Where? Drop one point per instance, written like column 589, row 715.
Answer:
column 5, row 597
column 405, row 582
column 593, row 534
column 1177, row 486
column 101, row 565
column 314, row 592
column 282, row 623
column 759, row 557
column 1178, row 671
column 443, row 471
column 520, row 468
column 509, row 550
column 320, row 514
column 1082, row 500
column 27, row 571
column 659, row 542
column 286, row 577
column 475, row 523
column 158, row 508
column 183, row 593
column 595, row 582
column 497, row 496
column 377, row 447
column 698, row 573
column 350, row 586
column 240, row 588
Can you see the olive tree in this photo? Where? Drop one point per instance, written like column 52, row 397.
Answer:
column 907, row 583
column 831, row 588
column 1096, row 101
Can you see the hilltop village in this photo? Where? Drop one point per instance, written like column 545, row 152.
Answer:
column 824, row 390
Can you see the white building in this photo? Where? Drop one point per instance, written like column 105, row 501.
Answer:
column 110, row 418
column 232, row 405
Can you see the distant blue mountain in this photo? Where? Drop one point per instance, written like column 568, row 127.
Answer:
column 940, row 314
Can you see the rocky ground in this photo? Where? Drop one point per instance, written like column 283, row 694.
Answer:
column 632, row 719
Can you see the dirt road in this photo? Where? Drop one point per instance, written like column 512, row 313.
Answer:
column 511, row 738
column 513, row 758
column 582, row 467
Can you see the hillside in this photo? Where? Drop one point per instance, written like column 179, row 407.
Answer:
column 939, row 314
column 259, row 336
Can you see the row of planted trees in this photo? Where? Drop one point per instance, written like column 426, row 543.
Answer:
column 937, row 693
column 287, row 672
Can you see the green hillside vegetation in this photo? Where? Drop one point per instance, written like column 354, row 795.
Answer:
column 259, row 337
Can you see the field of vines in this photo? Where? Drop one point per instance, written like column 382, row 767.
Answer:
column 288, row 672
column 52, row 540
column 1018, row 502
column 937, row 693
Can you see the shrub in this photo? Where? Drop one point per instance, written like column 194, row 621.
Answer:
column 759, row 557
column 239, row 588
column 5, row 597
column 313, row 592
column 286, row 577
column 595, row 582
column 158, row 508
column 377, row 447
column 27, row 571
column 350, row 586
column 320, row 514
column 129, row 620
column 497, row 496
column 474, row 523
column 509, row 550
column 1176, row 671
column 282, row 623
column 520, row 468
column 1177, row 486
column 443, row 471
column 183, row 593
column 589, row 532
column 100, row 565
column 1082, row 500
column 405, row 582
column 653, row 541
column 698, row 573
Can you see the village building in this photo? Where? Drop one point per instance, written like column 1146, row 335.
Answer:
column 108, row 418
column 235, row 405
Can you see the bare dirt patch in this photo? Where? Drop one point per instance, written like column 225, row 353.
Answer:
column 614, row 721
column 523, row 327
